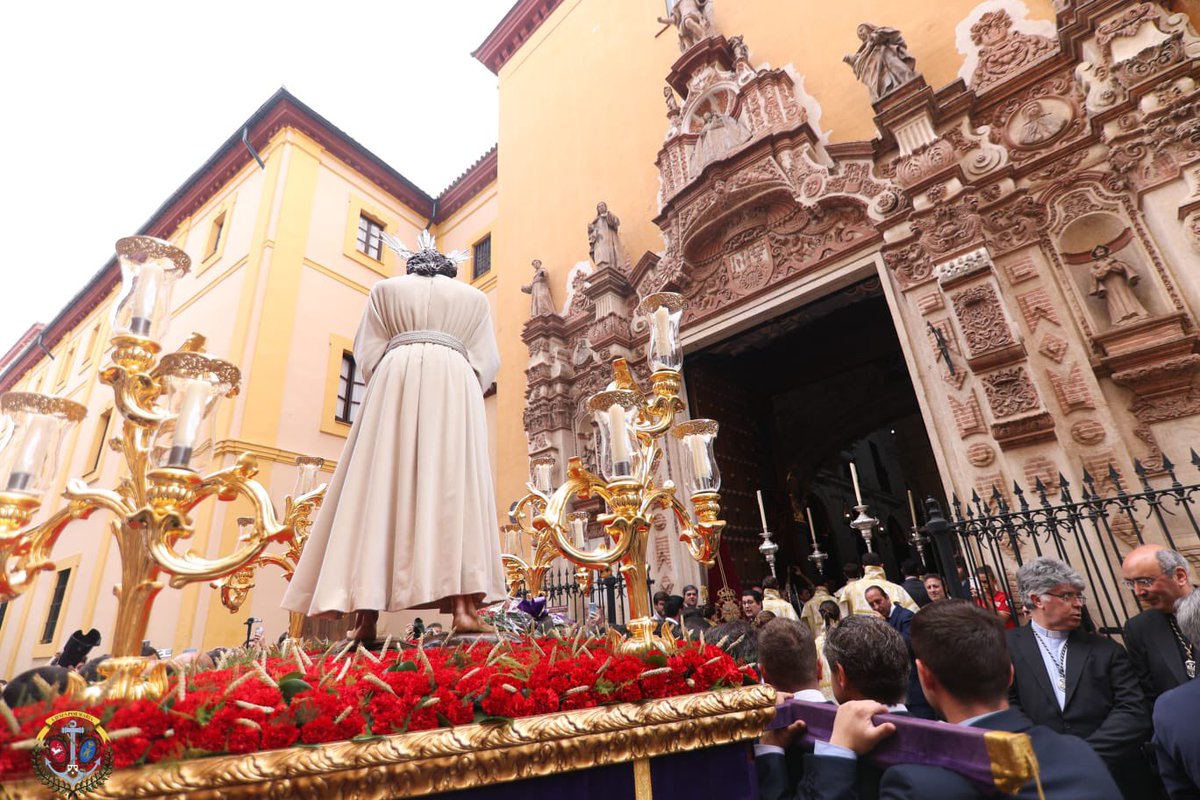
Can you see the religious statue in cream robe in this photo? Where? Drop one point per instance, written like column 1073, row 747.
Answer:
column 409, row 518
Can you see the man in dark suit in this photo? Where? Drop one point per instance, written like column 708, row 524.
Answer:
column 1176, row 735
column 900, row 619
column 963, row 664
column 868, row 661
column 895, row 616
column 912, row 582
column 1163, row 657
column 1075, row 682
column 787, row 657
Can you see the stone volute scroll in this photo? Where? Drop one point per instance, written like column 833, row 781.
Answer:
column 692, row 22
column 882, row 61
column 604, row 242
column 538, row 289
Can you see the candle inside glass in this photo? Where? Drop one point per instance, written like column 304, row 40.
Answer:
column 145, row 297
column 187, row 423
column 31, row 454
column 701, row 468
column 618, row 444
column 662, row 337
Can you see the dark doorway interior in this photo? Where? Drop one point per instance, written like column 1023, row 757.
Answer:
column 798, row 398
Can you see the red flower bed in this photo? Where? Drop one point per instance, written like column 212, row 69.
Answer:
column 323, row 698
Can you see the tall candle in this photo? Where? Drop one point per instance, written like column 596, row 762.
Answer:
column 700, row 459
column 912, row 509
column 812, row 529
column 33, row 451
column 145, row 296
column 618, row 445
column 541, row 473
column 854, row 479
column 187, row 424
column 662, row 331
column 762, row 511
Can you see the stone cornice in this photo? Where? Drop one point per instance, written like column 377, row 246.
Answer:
column 466, row 186
column 522, row 20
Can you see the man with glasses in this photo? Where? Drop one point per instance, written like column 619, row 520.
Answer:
column 1078, row 683
column 1162, row 656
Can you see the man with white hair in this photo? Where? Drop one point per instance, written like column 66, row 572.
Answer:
column 1176, row 736
column 1074, row 682
column 1162, row 656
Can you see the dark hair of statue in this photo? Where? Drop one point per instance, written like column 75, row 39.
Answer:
column 428, row 263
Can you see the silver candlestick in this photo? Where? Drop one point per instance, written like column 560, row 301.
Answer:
column 768, row 549
column 818, row 559
column 864, row 525
column 918, row 541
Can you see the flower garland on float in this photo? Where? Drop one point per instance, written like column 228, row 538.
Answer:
column 300, row 697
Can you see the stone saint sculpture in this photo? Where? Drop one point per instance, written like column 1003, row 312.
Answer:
column 1112, row 280
column 409, row 518
column 538, row 289
column 720, row 135
column 690, row 18
column 604, row 243
column 882, row 61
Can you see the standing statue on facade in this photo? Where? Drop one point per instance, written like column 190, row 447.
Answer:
column 673, row 113
column 604, row 242
column 690, row 18
column 1112, row 280
column 882, row 61
column 538, row 289
column 409, row 518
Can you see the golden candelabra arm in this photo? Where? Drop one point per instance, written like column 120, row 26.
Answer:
column 174, row 492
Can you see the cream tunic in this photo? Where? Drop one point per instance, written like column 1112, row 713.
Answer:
column 409, row 519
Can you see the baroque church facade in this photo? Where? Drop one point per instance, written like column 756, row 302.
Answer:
column 998, row 287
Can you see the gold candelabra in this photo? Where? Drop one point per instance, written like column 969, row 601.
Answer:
column 235, row 587
column 631, row 424
column 167, row 406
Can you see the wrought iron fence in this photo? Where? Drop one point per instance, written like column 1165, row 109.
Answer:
column 1092, row 527
column 608, row 593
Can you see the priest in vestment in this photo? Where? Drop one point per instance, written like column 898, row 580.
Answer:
column 409, row 518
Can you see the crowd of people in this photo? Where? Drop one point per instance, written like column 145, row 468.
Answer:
column 1104, row 720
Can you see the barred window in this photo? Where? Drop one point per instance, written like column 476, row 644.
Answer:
column 351, row 387
column 482, row 259
column 370, row 240
column 56, row 601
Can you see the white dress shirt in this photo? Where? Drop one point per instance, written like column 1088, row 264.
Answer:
column 1057, row 642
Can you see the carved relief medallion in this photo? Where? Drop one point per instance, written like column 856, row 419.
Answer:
column 1039, row 121
column 749, row 269
column 1010, row 392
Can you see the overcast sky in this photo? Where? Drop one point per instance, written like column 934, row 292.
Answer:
column 108, row 107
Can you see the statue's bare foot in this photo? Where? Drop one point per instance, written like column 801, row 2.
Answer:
column 465, row 618
column 471, row 623
column 364, row 627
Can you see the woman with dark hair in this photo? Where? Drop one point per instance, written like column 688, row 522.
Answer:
column 409, row 518
column 831, row 615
